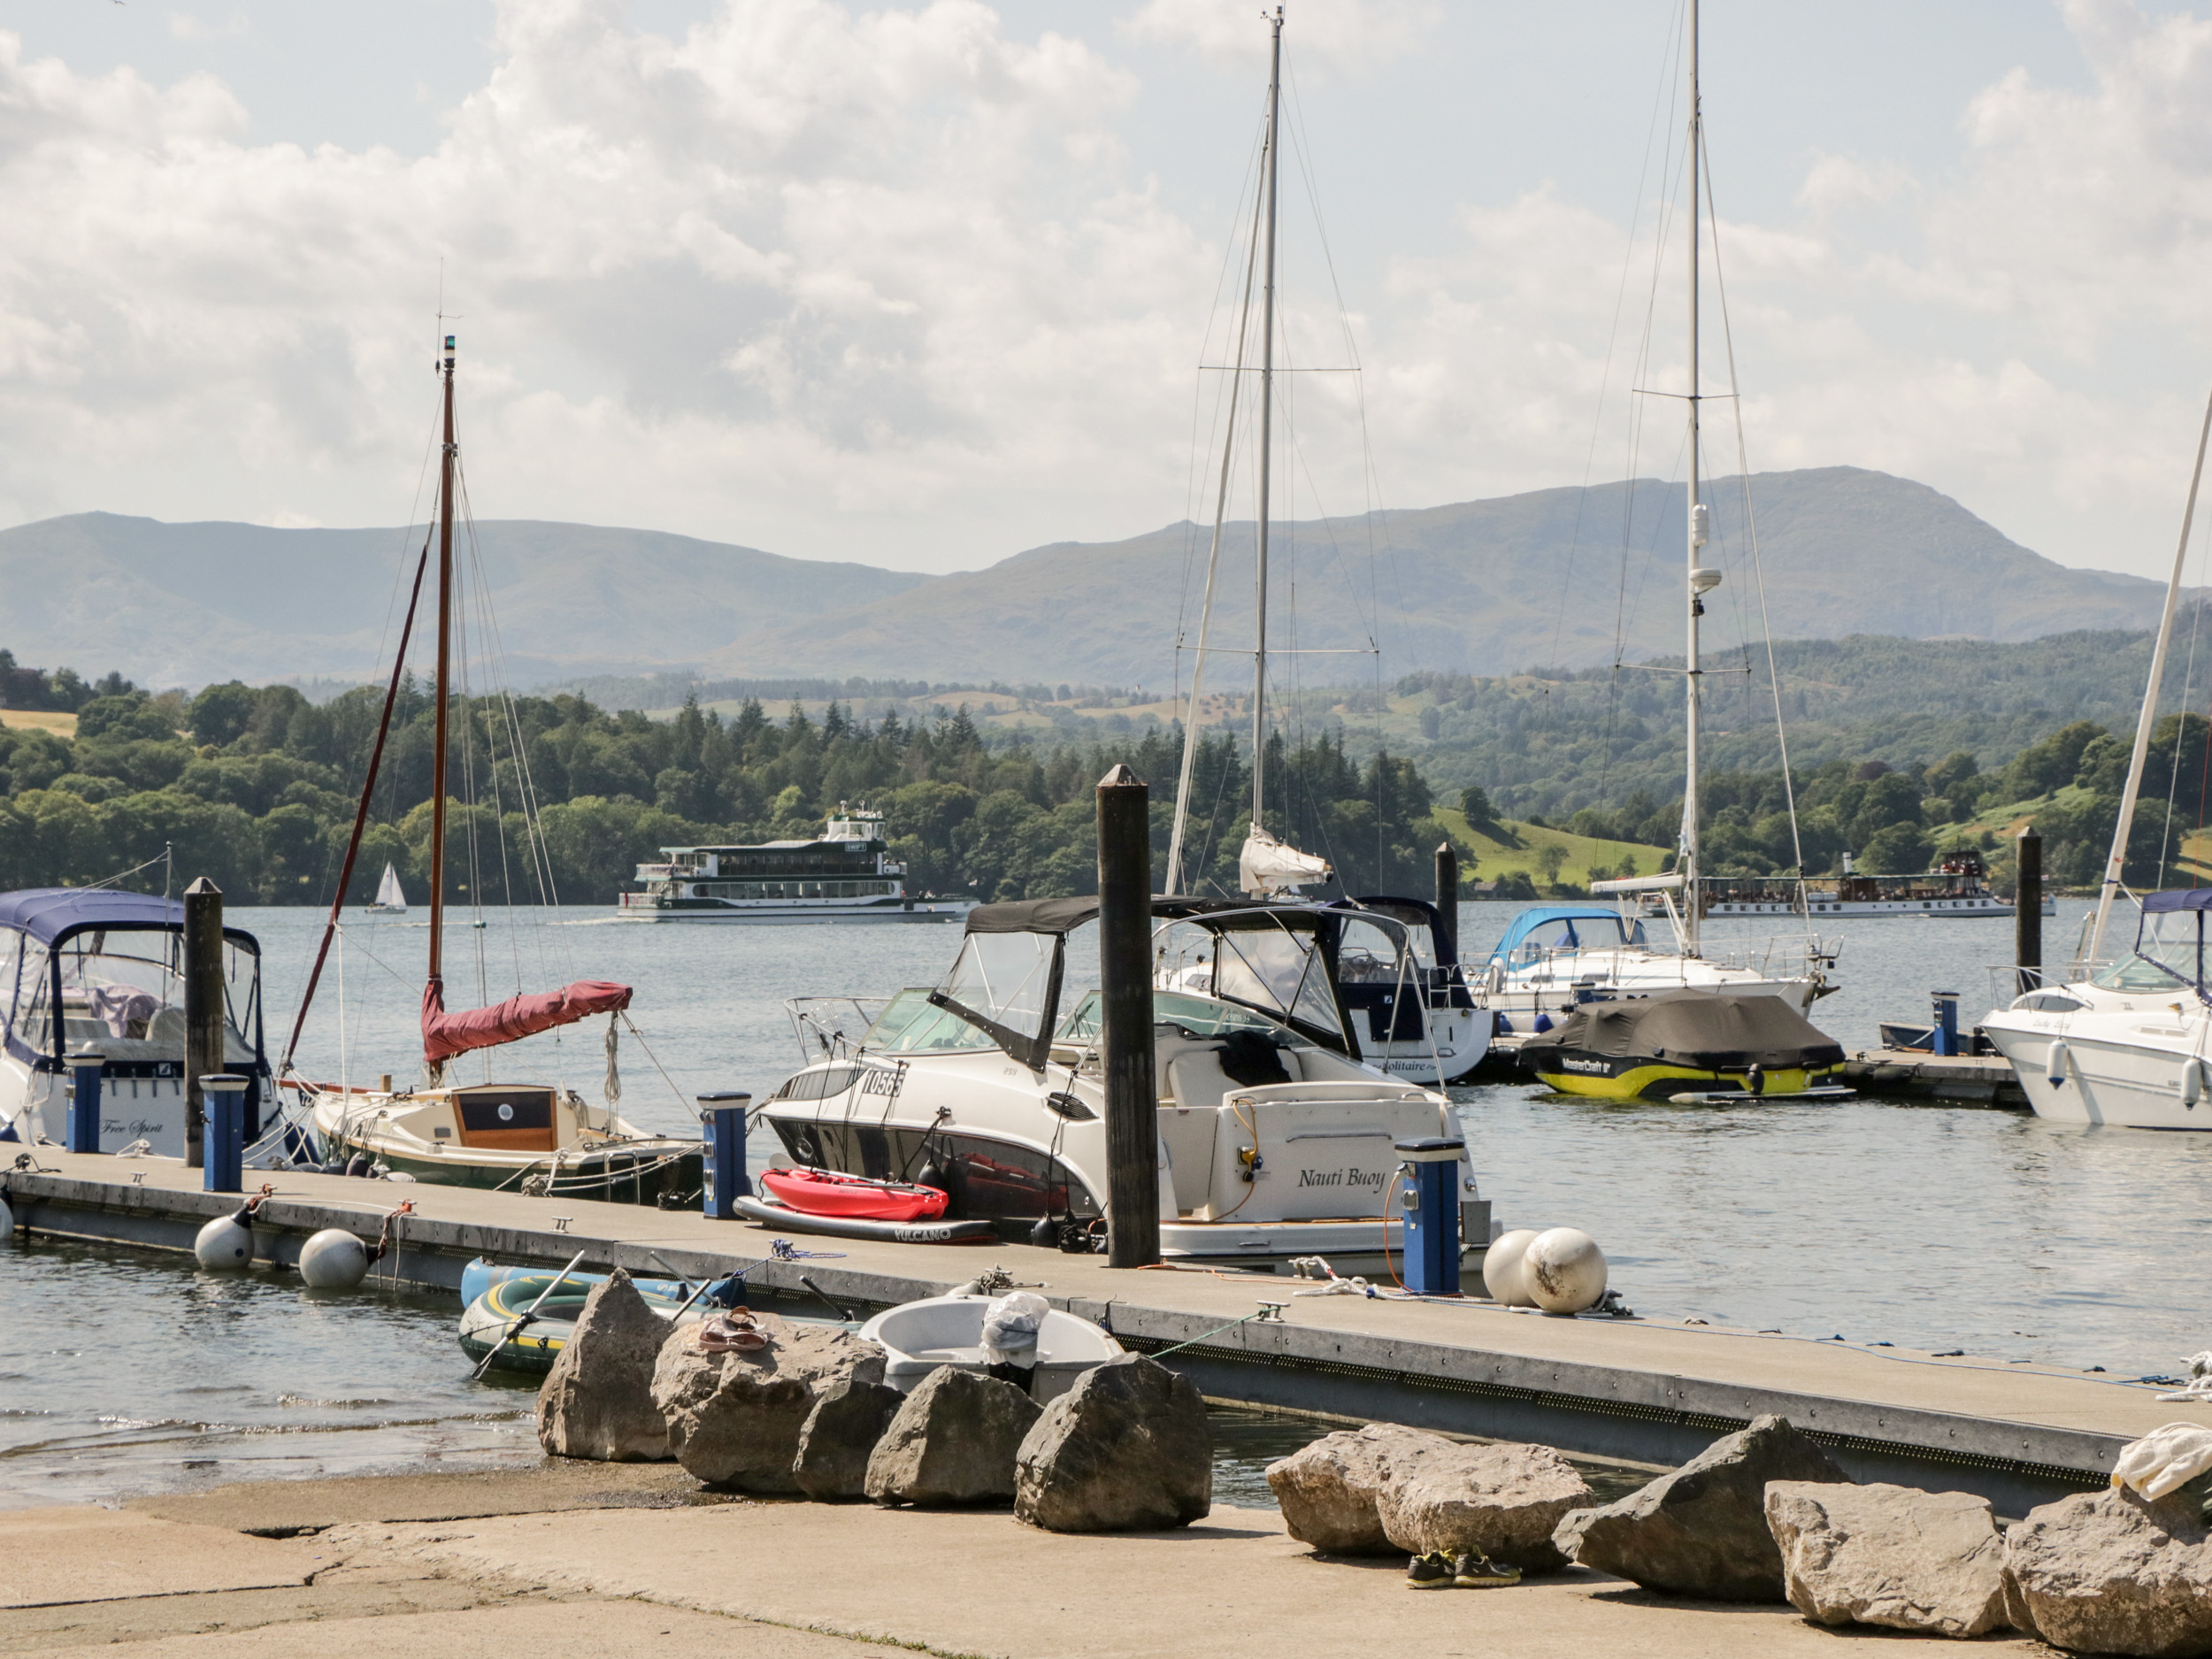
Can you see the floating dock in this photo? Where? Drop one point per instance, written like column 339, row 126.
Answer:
column 1640, row 1391
column 1985, row 1079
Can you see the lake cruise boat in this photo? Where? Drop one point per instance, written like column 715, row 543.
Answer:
column 1955, row 888
column 845, row 876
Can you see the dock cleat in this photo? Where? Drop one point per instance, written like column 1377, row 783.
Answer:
column 1431, row 1572
column 1479, row 1572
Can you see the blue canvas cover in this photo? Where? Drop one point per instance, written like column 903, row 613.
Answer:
column 1606, row 929
column 48, row 914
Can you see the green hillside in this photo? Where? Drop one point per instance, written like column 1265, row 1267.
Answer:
column 1523, row 850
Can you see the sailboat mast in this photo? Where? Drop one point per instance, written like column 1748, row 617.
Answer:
column 1267, row 425
column 445, row 676
column 1695, row 540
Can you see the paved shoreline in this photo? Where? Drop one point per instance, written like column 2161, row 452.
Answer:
column 567, row 1561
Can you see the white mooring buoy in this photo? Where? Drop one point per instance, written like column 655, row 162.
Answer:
column 333, row 1259
column 225, row 1242
column 1565, row 1271
column 1502, row 1269
column 7, row 1225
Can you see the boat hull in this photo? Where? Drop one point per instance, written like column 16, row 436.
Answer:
column 2126, row 1070
column 1612, row 1077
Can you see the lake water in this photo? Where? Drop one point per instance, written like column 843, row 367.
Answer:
column 1930, row 1227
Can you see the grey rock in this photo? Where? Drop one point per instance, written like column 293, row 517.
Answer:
column 1702, row 1530
column 1329, row 1492
column 1931, row 1561
column 1127, row 1450
column 953, row 1441
column 734, row 1419
column 597, row 1401
column 849, row 1417
column 2113, row 1572
column 1500, row 1500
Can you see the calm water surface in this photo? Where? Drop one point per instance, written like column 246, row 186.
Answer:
column 1927, row 1227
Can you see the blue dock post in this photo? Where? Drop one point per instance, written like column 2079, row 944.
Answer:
column 1431, row 1214
column 222, row 1165
column 1945, row 1038
column 722, row 1116
column 84, row 1101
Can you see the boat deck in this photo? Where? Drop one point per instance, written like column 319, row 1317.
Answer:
column 1637, row 1390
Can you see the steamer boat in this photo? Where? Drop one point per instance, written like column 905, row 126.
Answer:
column 845, row 875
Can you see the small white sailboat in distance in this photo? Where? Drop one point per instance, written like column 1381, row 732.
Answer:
column 390, row 900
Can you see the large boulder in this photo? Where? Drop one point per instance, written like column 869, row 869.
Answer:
column 597, row 1401
column 1702, row 1530
column 2114, row 1572
column 849, row 1417
column 954, row 1442
column 1127, row 1450
column 1500, row 1500
column 1878, row 1555
column 1330, row 1491
column 734, row 1415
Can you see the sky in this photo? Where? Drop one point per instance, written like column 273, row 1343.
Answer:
column 922, row 285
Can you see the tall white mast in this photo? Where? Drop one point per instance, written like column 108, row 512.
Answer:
column 2149, row 715
column 1698, row 578
column 1267, row 425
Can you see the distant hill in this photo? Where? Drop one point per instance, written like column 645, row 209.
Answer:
column 1479, row 587
column 186, row 604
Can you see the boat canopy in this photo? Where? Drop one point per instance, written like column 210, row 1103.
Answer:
column 1567, row 927
column 52, row 915
column 1409, row 913
column 1709, row 1030
column 2178, row 899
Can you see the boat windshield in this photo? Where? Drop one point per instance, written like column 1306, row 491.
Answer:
column 122, row 993
column 2168, row 954
column 914, row 1025
column 1279, row 970
column 1200, row 1016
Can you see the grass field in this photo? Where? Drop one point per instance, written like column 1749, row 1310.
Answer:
column 40, row 720
column 1494, row 857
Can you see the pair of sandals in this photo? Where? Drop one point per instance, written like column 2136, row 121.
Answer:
column 731, row 1333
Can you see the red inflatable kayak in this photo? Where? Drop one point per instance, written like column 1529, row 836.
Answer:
column 827, row 1192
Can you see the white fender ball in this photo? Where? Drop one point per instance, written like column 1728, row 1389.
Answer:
column 1565, row 1271
column 333, row 1259
column 1501, row 1274
column 7, row 1225
column 223, row 1243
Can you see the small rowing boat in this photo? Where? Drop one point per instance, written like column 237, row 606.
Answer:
column 529, row 1342
column 854, row 1197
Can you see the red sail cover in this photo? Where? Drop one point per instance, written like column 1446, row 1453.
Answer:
column 445, row 1036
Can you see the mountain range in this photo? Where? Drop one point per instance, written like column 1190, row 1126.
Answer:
column 1568, row 577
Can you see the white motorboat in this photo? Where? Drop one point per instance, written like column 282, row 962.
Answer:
column 1051, row 1349
column 1275, row 1140
column 391, row 900
column 1414, row 1014
column 113, row 964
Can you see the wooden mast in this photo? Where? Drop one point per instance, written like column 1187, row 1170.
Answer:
column 445, row 665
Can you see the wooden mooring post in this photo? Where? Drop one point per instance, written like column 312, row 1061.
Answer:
column 1448, row 899
column 203, row 1008
column 1124, row 983
column 2027, row 913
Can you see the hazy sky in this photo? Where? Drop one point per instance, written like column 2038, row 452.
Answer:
column 923, row 286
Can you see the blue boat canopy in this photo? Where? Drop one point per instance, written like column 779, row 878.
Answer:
column 53, row 915
column 1568, row 928
column 2178, row 899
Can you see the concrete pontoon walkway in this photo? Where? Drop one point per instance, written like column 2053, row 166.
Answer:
column 793, row 1580
column 1630, row 1389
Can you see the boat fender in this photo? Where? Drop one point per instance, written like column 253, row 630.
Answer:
column 1542, row 1024
column 357, row 1165
column 333, row 1259
column 1755, row 1080
column 7, row 1222
column 929, row 1175
column 1046, row 1234
column 2192, row 1083
column 226, row 1241
column 1564, row 1270
column 2054, row 1067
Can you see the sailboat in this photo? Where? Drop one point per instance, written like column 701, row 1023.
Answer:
column 1415, row 1019
column 390, row 900
column 528, row 1136
column 2125, row 1042
column 1554, row 957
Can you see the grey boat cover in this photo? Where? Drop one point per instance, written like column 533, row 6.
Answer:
column 1711, row 1030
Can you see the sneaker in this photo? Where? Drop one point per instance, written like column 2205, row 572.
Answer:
column 1431, row 1572
column 1479, row 1572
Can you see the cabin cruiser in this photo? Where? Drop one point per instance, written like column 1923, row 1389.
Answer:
column 1275, row 1140
column 1415, row 1017
column 2126, row 1045
column 111, row 965
column 1554, row 957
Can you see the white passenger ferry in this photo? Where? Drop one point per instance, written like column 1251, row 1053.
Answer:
column 1955, row 888
column 843, row 877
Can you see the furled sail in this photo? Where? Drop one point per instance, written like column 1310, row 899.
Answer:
column 445, row 1036
column 1267, row 865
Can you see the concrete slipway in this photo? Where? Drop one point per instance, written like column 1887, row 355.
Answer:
column 1628, row 1389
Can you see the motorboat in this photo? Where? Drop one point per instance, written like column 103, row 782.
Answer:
column 1275, row 1139
column 2127, row 1044
column 1048, row 1350
column 1687, row 1045
column 1423, row 1026
column 91, row 970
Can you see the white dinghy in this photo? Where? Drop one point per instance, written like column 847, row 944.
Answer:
column 978, row 1332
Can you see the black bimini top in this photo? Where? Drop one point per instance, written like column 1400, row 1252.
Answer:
column 1065, row 915
column 1713, row 1030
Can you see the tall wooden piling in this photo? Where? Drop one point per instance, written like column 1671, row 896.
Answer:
column 1448, row 900
column 2027, row 917
column 203, row 1007
column 1124, row 981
